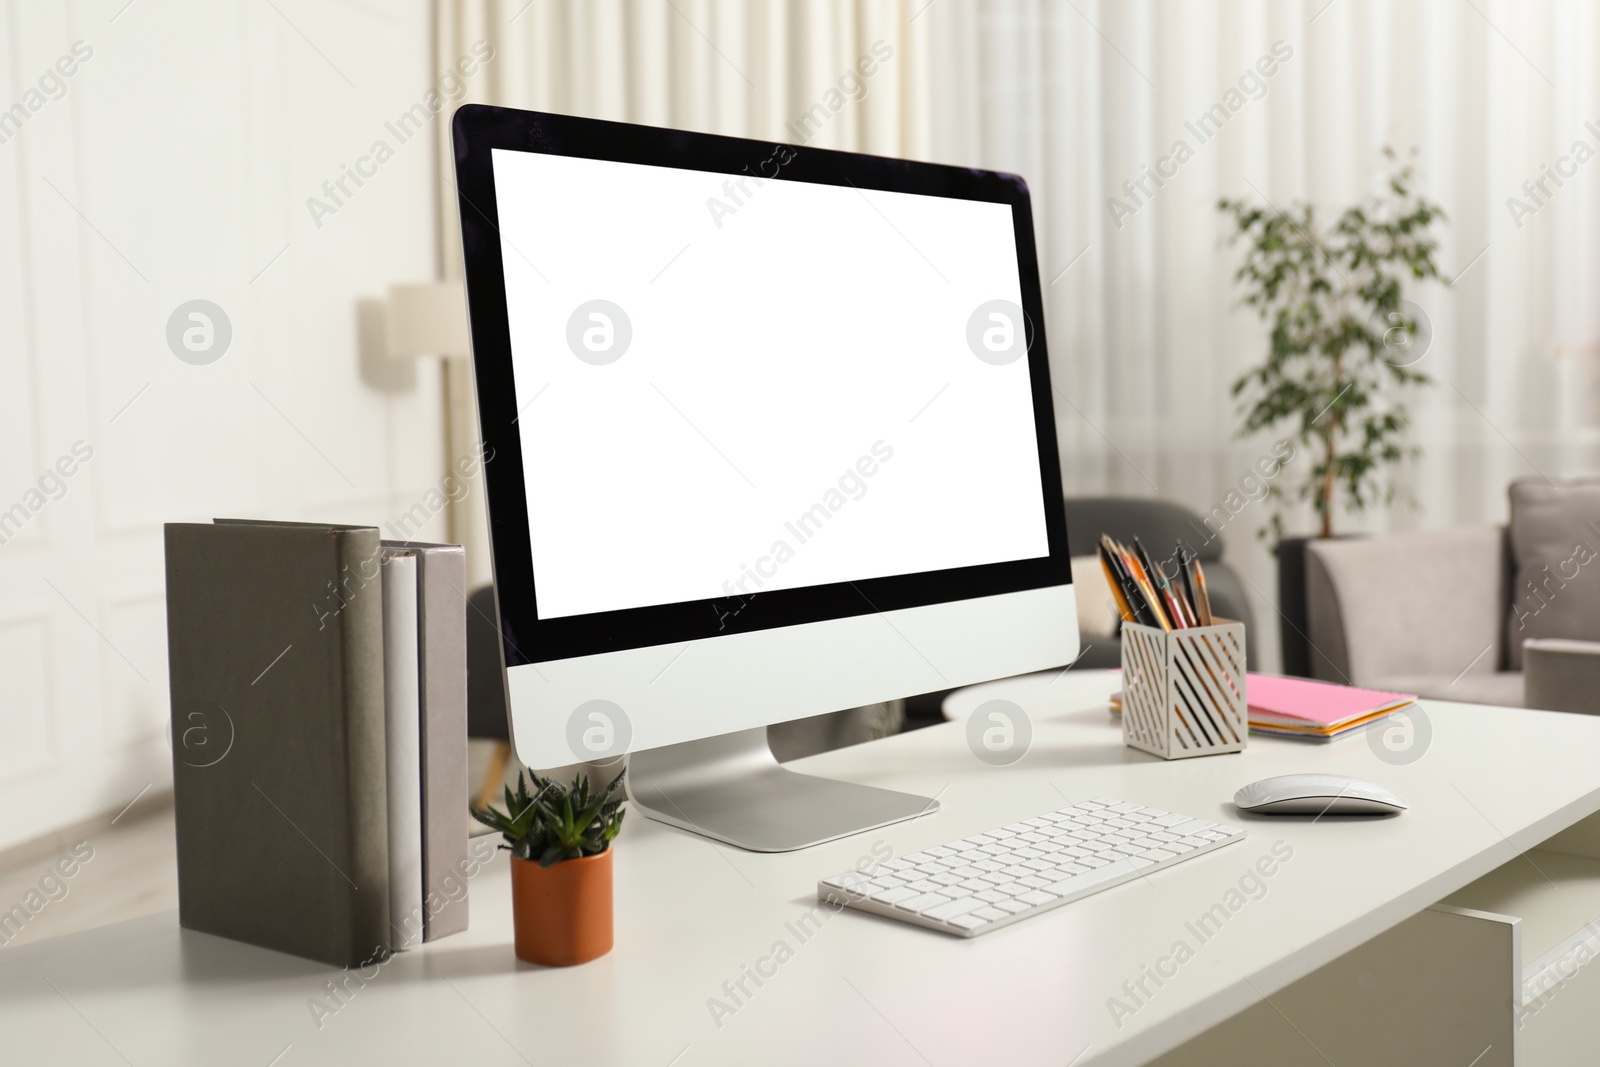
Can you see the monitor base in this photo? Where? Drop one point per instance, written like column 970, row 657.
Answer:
column 731, row 788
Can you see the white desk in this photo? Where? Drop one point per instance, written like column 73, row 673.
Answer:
column 691, row 915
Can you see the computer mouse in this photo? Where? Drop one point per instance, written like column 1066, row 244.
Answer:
column 1317, row 794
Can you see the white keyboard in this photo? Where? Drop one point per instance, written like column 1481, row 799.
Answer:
column 993, row 879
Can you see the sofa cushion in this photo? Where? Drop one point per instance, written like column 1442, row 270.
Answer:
column 1416, row 604
column 1555, row 558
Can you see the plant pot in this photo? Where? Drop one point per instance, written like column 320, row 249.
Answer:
column 562, row 913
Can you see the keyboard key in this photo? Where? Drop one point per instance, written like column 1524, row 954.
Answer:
column 990, row 895
column 967, row 922
column 1034, row 882
column 1156, row 855
column 1037, row 897
column 894, row 896
column 990, row 914
column 953, row 908
column 1010, row 906
column 924, row 886
column 923, row 902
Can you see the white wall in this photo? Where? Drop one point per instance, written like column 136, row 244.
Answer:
column 174, row 164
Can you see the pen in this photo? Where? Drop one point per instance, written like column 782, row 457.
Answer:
column 1129, row 586
column 1163, row 588
column 1186, row 582
column 1123, row 607
column 1202, row 597
column 1147, row 587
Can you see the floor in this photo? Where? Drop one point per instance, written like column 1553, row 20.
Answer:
column 125, row 869
column 131, row 870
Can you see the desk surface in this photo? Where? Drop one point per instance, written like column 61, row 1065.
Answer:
column 693, row 915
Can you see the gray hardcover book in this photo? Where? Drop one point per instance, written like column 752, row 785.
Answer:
column 442, row 626
column 275, row 650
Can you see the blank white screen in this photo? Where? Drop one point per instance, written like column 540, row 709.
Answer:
column 784, row 338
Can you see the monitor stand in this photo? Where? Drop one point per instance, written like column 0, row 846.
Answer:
column 733, row 789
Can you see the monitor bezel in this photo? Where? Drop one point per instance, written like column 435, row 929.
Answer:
column 478, row 130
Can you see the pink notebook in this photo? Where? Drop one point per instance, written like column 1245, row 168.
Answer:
column 1276, row 700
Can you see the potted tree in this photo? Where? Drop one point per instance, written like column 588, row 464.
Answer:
column 1343, row 343
column 560, row 844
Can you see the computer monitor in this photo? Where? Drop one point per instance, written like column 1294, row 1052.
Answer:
column 768, row 433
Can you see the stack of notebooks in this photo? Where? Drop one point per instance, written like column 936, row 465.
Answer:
column 1310, row 710
column 319, row 697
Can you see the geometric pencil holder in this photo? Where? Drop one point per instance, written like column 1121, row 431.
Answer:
column 1183, row 690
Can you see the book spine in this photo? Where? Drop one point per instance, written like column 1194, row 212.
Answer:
column 442, row 585
column 367, row 929
column 403, row 740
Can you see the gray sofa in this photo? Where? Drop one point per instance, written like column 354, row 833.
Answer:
column 1466, row 615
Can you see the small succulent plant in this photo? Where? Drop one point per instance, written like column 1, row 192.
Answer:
column 555, row 822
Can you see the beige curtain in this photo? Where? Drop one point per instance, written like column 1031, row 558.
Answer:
column 848, row 74
column 1083, row 98
column 1501, row 100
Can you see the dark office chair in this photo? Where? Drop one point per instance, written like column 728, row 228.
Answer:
column 486, row 693
column 1160, row 525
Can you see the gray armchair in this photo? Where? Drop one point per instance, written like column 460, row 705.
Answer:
column 1430, row 613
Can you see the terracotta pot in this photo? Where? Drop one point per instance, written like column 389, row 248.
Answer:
column 562, row 913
